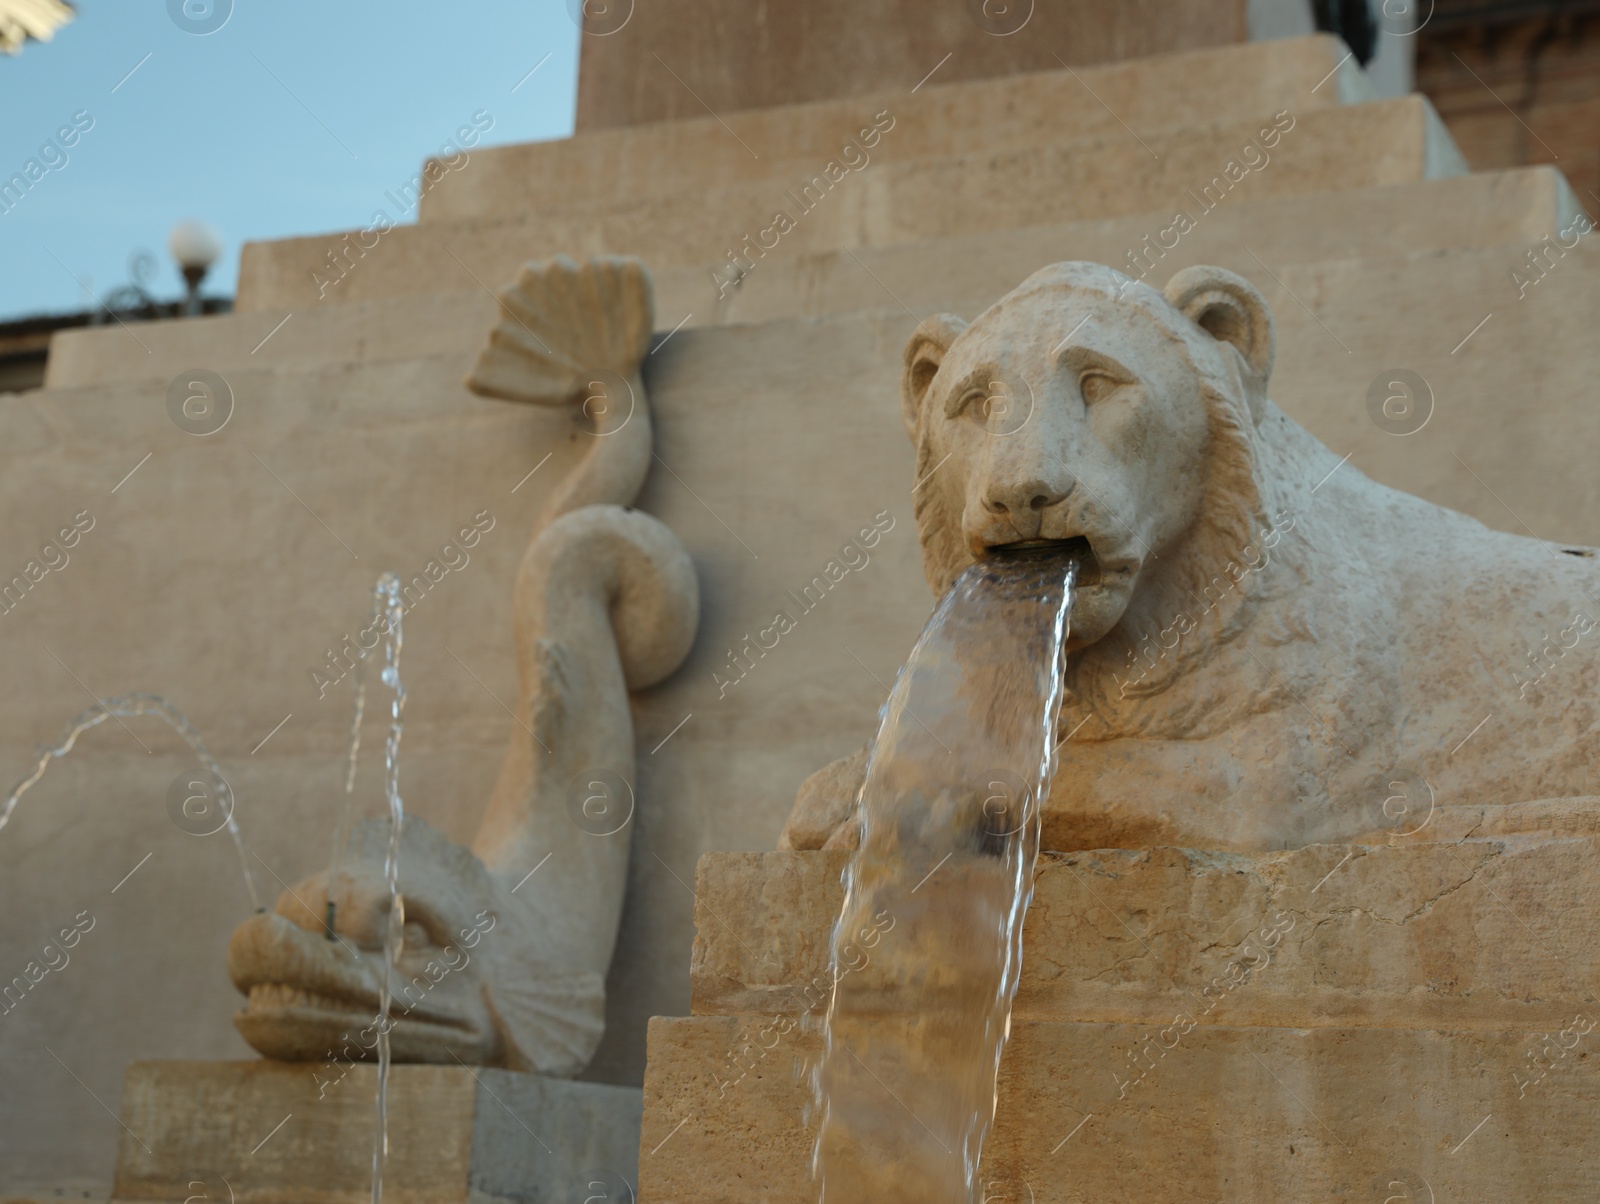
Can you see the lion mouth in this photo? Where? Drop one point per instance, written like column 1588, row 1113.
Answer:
column 1077, row 546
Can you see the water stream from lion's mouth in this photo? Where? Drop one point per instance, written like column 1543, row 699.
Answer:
column 928, row 947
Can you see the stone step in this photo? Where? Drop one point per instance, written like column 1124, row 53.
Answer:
column 1349, row 147
column 261, row 1131
column 1419, row 936
column 1230, row 1114
column 1478, row 210
column 1243, row 81
column 1454, row 212
column 355, row 335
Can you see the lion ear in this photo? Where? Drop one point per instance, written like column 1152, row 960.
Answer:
column 925, row 351
column 1232, row 311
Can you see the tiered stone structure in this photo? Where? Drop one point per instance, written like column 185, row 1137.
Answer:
column 1420, row 973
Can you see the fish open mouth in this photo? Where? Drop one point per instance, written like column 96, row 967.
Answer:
column 1076, row 546
column 276, row 1000
column 294, row 1024
column 305, row 995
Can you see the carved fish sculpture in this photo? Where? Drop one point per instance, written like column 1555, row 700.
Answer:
column 497, row 967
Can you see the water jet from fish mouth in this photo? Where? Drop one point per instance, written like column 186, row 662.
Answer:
column 128, row 706
column 928, row 947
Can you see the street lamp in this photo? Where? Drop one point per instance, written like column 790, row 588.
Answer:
column 195, row 246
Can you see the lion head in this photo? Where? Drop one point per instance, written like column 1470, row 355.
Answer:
column 1086, row 408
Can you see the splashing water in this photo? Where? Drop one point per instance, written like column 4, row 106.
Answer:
column 928, row 947
column 125, row 706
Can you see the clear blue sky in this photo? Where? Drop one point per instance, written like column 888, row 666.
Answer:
column 203, row 129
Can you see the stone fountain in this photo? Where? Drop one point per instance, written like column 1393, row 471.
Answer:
column 1318, row 856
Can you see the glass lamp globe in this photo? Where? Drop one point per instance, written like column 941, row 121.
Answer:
column 194, row 245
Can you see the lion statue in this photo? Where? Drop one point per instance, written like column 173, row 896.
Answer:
column 1267, row 648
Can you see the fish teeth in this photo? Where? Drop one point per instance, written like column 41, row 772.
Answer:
column 282, row 994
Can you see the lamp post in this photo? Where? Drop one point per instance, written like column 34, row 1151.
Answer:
column 195, row 246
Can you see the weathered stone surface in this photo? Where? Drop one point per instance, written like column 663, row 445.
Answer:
column 674, row 60
column 1353, row 146
column 1482, row 210
column 1413, row 935
column 273, row 1133
column 1464, row 456
column 1226, row 1114
column 942, row 118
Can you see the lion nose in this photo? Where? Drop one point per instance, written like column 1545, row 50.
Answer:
column 1019, row 499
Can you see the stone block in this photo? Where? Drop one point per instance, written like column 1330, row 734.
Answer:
column 1331, row 148
column 276, row 1133
column 965, row 271
column 1335, row 1022
column 1241, row 82
column 1411, row 935
column 1226, row 1114
column 413, row 327
column 674, row 60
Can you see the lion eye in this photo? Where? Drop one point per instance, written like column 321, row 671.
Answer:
column 1097, row 386
column 979, row 405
